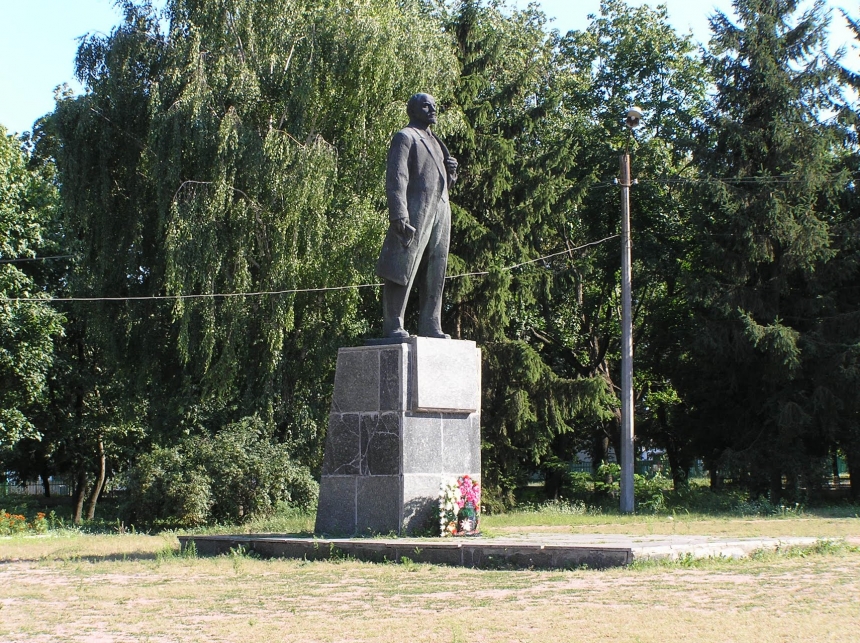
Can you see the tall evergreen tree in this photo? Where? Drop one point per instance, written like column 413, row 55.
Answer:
column 763, row 222
column 543, row 130
column 514, row 149
column 837, row 332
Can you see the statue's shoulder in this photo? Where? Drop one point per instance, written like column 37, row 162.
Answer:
column 406, row 134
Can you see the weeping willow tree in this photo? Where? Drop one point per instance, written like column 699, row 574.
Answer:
column 237, row 146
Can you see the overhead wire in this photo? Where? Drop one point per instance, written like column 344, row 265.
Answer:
column 288, row 291
column 23, row 259
column 785, row 178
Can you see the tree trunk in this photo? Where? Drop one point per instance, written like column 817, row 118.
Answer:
column 834, row 463
column 46, row 483
column 600, row 452
column 853, row 461
column 716, row 480
column 553, row 478
column 615, row 439
column 714, row 474
column 99, row 482
column 775, row 485
column 680, row 468
column 80, row 493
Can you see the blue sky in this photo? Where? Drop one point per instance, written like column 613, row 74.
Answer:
column 38, row 40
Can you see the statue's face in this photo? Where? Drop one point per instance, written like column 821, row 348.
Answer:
column 422, row 108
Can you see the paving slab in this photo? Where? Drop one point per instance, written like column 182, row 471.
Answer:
column 552, row 551
column 675, row 546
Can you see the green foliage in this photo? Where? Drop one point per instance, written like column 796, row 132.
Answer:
column 165, row 485
column 631, row 56
column 516, row 148
column 28, row 202
column 238, row 147
column 763, row 232
column 236, row 151
column 649, row 491
column 236, row 475
column 538, row 150
column 250, row 475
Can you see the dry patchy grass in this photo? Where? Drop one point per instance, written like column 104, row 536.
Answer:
column 69, row 546
column 134, row 588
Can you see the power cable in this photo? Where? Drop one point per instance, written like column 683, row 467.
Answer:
column 23, row 259
column 280, row 292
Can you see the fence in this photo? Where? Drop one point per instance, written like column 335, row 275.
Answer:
column 58, row 486
column 645, row 467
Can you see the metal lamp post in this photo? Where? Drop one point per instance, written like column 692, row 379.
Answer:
column 627, row 502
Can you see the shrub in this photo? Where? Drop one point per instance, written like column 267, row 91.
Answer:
column 168, row 485
column 237, row 474
column 650, row 492
column 250, row 474
column 603, row 487
column 578, row 484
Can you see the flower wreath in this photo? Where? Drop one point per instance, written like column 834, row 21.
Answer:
column 454, row 496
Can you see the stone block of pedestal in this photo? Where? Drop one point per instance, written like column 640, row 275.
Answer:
column 404, row 418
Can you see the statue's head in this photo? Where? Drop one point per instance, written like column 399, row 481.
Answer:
column 421, row 109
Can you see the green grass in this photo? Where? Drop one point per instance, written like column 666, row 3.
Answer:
column 742, row 518
column 833, row 547
column 837, row 521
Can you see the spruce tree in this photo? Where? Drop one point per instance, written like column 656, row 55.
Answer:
column 763, row 225
column 542, row 134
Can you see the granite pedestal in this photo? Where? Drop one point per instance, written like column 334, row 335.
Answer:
column 404, row 418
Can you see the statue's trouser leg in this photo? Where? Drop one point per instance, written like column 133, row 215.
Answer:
column 431, row 274
column 394, row 297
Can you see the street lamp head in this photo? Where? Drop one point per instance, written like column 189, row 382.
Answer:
column 634, row 116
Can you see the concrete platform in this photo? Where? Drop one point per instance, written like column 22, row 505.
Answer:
column 550, row 551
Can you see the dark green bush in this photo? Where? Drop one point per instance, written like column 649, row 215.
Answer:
column 250, row 474
column 601, row 489
column 167, row 485
column 237, row 474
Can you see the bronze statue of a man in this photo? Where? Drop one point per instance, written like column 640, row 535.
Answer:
column 419, row 173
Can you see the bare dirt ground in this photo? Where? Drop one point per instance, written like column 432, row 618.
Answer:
column 135, row 588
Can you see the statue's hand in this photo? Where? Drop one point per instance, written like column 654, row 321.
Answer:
column 403, row 230
column 451, row 164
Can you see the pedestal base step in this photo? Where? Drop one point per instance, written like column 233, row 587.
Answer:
column 465, row 552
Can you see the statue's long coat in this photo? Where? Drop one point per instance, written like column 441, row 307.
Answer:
column 416, row 185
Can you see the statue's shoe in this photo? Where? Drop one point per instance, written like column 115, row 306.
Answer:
column 398, row 333
column 439, row 335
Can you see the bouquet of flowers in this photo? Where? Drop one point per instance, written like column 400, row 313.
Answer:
column 459, row 507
